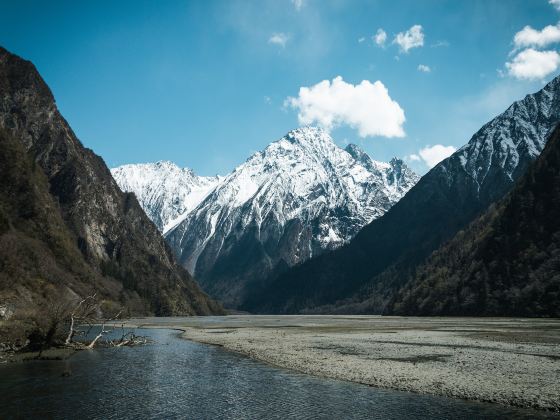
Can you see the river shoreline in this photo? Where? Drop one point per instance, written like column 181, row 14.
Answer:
column 507, row 361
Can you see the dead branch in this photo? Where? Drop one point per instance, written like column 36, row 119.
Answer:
column 79, row 315
column 103, row 330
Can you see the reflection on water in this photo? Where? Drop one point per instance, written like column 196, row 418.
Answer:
column 175, row 378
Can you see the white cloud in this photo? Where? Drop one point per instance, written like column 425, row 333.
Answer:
column 424, row 68
column 361, row 39
column 529, row 37
column 298, row 4
column 380, row 37
column 366, row 107
column 412, row 38
column 413, row 157
column 432, row 155
column 279, row 38
column 555, row 3
column 531, row 64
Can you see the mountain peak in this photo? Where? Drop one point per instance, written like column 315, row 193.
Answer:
column 166, row 164
column 307, row 135
column 495, row 147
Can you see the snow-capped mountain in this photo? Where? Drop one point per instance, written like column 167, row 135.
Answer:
column 383, row 256
column 165, row 191
column 300, row 196
column 499, row 152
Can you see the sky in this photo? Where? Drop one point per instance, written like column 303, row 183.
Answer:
column 207, row 83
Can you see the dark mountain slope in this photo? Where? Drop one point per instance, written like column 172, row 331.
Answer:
column 361, row 276
column 506, row 263
column 114, row 236
column 37, row 250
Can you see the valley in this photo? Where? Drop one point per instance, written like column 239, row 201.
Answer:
column 280, row 209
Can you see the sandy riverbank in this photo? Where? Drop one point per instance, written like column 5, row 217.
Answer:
column 508, row 361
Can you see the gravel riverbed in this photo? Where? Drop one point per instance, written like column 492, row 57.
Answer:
column 503, row 360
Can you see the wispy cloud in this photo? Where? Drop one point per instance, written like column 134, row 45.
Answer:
column 424, row 68
column 279, row 38
column 298, row 4
column 380, row 37
column 366, row 107
column 412, row 38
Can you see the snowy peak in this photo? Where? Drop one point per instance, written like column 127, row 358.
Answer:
column 312, row 142
column 364, row 159
column 396, row 173
column 300, row 196
column 307, row 161
column 400, row 175
column 164, row 190
column 510, row 140
column 313, row 138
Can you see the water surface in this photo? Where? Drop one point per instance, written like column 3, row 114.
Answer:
column 175, row 378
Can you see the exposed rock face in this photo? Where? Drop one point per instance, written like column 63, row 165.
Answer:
column 300, row 196
column 363, row 275
column 113, row 236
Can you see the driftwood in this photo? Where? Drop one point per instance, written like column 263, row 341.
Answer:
column 129, row 339
column 86, row 313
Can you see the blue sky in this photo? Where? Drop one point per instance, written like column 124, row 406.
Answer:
column 205, row 83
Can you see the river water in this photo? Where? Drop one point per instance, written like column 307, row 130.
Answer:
column 175, row 378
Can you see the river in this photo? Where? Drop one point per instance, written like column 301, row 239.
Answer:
column 176, row 378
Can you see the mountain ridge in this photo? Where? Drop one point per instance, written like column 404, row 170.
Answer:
column 505, row 263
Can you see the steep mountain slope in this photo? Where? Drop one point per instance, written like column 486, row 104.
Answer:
column 300, row 196
column 35, row 243
column 361, row 276
column 164, row 190
column 113, row 235
column 506, row 263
